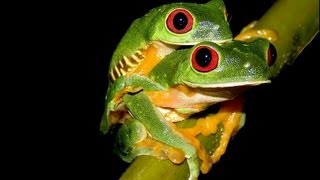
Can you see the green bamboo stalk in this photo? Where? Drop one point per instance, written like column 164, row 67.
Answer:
column 296, row 23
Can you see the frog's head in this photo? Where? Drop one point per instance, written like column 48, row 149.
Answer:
column 211, row 66
column 189, row 23
column 163, row 30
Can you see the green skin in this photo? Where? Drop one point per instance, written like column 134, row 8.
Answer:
column 240, row 65
column 210, row 24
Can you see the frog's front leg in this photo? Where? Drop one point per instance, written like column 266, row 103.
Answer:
column 143, row 110
column 250, row 32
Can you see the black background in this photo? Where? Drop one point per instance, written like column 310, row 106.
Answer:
column 278, row 139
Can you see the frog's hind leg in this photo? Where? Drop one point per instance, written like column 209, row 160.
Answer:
column 230, row 116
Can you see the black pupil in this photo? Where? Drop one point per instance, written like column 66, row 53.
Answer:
column 203, row 57
column 180, row 21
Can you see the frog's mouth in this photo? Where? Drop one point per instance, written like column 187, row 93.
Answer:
column 225, row 90
column 194, row 42
column 228, row 84
column 183, row 96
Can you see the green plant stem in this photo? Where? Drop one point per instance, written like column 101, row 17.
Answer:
column 296, row 23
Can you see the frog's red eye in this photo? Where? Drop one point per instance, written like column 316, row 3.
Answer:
column 204, row 59
column 179, row 21
column 272, row 54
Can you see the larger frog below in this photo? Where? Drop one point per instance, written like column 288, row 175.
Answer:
column 185, row 82
column 164, row 29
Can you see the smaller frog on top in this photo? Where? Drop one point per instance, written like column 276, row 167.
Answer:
column 163, row 30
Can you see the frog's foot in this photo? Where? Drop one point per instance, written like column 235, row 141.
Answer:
column 129, row 134
column 142, row 61
column 201, row 152
column 162, row 151
column 159, row 150
column 132, row 141
column 233, row 121
column 230, row 116
column 250, row 32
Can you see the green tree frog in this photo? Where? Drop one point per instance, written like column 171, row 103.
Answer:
column 163, row 30
column 183, row 83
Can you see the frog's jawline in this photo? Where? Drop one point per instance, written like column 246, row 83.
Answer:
column 225, row 91
column 227, row 85
column 193, row 43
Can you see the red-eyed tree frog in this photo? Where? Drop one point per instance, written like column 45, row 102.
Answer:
column 163, row 30
column 184, row 82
